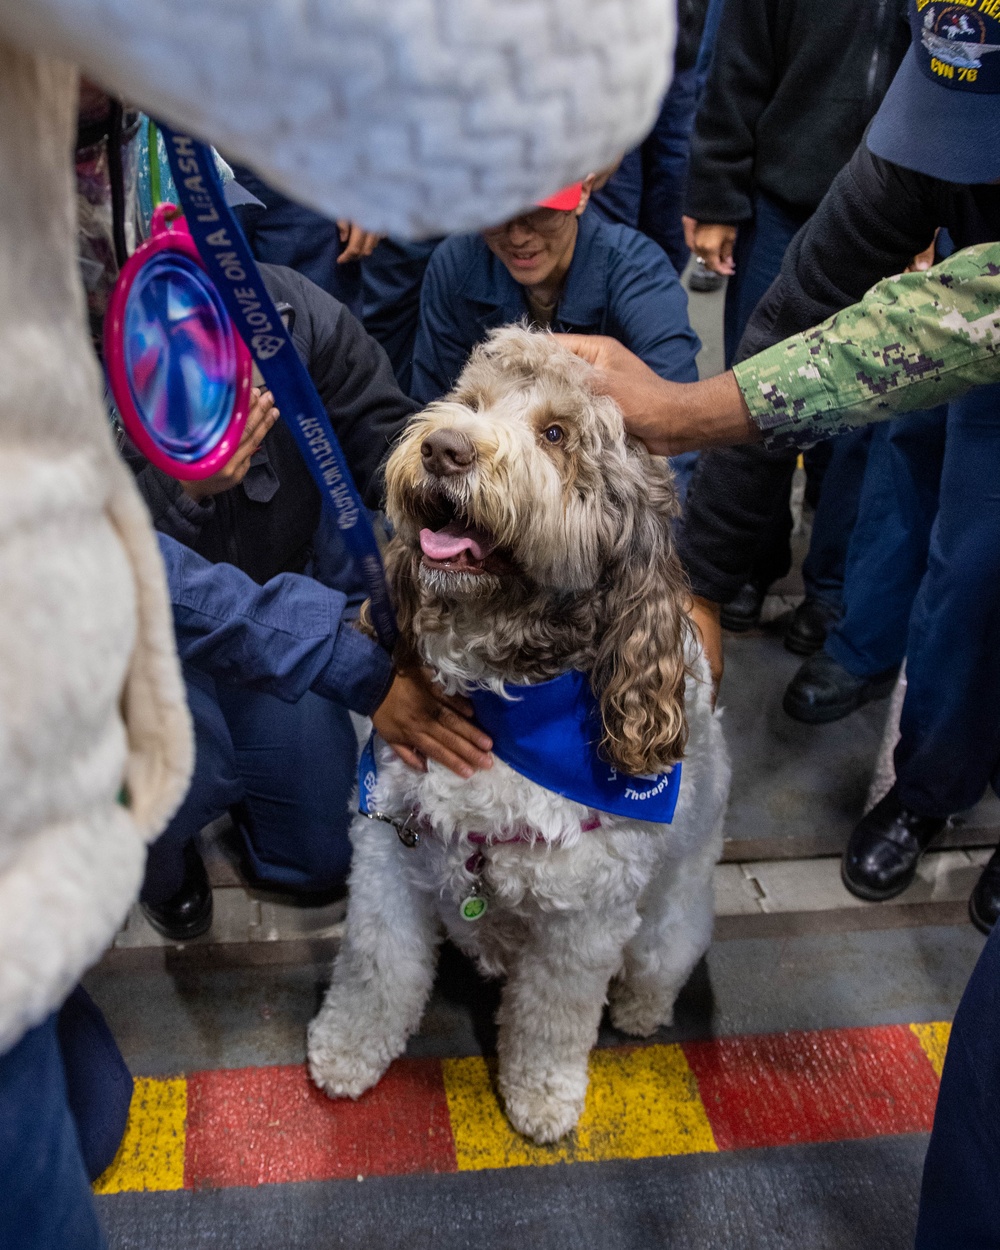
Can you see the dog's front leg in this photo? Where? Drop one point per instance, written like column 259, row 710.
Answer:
column 549, row 1015
column 383, row 972
column 678, row 910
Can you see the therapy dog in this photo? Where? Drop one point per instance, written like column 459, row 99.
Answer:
column 533, row 569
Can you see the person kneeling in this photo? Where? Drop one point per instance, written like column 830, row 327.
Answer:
column 263, row 595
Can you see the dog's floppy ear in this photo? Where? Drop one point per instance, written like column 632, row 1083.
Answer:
column 639, row 671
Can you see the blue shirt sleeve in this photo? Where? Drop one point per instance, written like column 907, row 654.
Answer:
column 649, row 311
column 283, row 638
column 444, row 337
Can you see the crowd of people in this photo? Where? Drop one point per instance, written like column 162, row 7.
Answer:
column 795, row 158
column 385, row 326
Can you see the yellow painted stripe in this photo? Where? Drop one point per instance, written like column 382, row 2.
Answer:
column 934, row 1039
column 641, row 1104
column 151, row 1156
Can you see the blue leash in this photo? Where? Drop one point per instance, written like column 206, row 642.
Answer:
column 234, row 271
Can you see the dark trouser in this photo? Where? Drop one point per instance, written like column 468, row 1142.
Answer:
column 924, row 581
column 665, row 157
column 887, row 554
column 760, row 247
column 287, row 769
column 960, row 1198
column 646, row 192
column 949, row 749
column 738, row 519
column 839, row 489
column 98, row 1082
column 391, row 281
column 761, row 244
column 837, row 468
column 64, row 1096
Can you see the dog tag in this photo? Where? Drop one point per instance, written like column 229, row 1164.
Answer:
column 473, row 907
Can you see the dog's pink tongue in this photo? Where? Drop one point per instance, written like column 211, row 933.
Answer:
column 450, row 542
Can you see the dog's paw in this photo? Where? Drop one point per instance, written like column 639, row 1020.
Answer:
column 640, row 1014
column 540, row 1114
column 340, row 1066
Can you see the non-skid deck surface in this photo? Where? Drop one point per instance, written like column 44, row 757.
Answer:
column 840, row 1196
column 789, row 1106
column 810, row 1136
column 246, row 1127
column 798, row 790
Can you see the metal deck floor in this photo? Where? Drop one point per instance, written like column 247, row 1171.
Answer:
column 798, row 790
column 191, row 1016
column 837, row 1196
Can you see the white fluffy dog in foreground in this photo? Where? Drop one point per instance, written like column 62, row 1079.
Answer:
column 564, row 561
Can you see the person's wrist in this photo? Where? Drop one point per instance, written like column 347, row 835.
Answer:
column 659, row 430
column 711, row 413
column 197, row 491
column 679, row 423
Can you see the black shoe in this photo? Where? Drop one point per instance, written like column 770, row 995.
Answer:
column 188, row 914
column 743, row 611
column 702, row 278
column 821, row 691
column 884, row 850
column 809, row 626
column 984, row 905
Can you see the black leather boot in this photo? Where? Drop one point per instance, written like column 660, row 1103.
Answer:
column 188, row 914
column 821, row 691
column 984, row 905
column 809, row 626
column 742, row 612
column 884, row 849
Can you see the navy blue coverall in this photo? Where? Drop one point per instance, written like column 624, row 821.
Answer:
column 619, row 283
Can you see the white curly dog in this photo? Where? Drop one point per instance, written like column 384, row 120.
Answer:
column 532, row 538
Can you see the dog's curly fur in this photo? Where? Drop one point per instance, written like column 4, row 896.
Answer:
column 588, row 579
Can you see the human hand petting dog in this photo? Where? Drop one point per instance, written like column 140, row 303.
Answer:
column 420, row 722
column 669, row 417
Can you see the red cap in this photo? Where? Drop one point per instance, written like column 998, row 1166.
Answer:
column 565, row 200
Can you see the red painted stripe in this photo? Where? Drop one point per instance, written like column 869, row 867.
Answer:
column 828, row 1085
column 265, row 1126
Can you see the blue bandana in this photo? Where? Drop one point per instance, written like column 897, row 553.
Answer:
column 550, row 733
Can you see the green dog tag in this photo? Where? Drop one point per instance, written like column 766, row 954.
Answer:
column 473, row 907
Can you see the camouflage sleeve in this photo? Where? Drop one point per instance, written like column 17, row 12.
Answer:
column 913, row 341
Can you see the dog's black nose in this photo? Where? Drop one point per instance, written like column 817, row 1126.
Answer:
column 446, row 453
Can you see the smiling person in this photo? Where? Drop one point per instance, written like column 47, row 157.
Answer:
column 561, row 268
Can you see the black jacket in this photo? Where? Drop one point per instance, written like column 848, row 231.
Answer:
column 872, row 222
column 690, row 25
column 793, row 85
column 266, row 524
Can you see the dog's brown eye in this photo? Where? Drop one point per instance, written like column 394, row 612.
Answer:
column 554, row 434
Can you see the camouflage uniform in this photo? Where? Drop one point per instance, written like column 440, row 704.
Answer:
column 914, row 341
